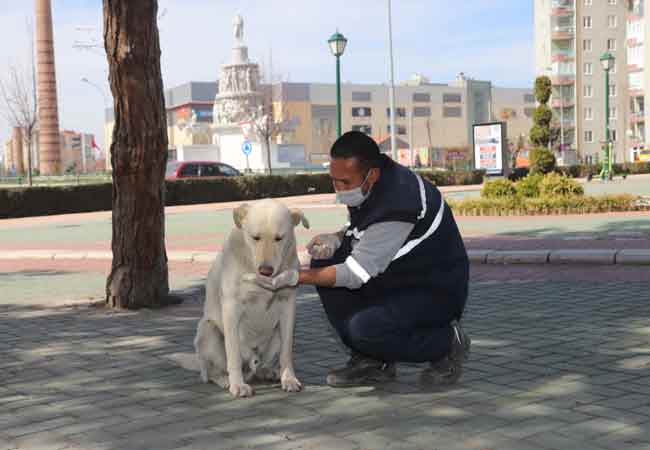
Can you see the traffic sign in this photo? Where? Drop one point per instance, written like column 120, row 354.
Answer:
column 247, row 148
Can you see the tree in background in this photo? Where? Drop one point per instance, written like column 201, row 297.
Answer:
column 270, row 122
column 139, row 274
column 19, row 104
column 542, row 159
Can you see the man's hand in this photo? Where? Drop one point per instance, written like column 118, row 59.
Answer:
column 323, row 246
column 288, row 278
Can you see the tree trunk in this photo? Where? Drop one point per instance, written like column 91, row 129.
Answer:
column 139, row 276
column 29, row 134
column 268, row 153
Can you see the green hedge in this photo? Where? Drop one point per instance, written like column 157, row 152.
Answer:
column 48, row 200
column 450, row 178
column 517, row 206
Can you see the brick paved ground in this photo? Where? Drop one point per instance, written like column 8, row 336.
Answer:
column 560, row 360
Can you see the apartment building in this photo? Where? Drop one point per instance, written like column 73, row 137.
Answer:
column 435, row 119
column 79, row 153
column 570, row 38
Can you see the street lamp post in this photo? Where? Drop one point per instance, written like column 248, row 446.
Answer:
column 337, row 45
column 607, row 61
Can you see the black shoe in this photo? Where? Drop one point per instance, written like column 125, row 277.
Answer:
column 449, row 369
column 361, row 370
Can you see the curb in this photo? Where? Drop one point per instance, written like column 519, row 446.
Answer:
column 629, row 257
column 558, row 257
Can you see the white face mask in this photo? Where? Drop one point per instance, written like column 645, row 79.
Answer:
column 354, row 197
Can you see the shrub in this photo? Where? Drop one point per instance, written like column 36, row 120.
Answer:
column 556, row 185
column 452, row 178
column 529, row 186
column 518, row 173
column 501, row 188
column 542, row 89
column 542, row 160
column 546, row 205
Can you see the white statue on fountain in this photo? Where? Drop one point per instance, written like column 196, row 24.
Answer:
column 238, row 28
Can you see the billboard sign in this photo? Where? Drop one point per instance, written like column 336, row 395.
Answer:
column 489, row 151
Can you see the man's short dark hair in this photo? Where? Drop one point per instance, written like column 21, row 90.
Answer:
column 355, row 144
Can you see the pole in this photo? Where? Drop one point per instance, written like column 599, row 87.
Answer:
column 83, row 152
column 338, row 97
column 562, row 120
column 391, row 93
column 411, row 138
column 606, row 164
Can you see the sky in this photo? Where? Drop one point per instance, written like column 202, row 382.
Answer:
column 485, row 39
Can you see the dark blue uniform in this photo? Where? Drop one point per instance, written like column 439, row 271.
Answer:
column 404, row 313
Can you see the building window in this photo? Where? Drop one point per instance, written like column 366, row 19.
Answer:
column 401, row 130
column 399, row 112
column 589, row 136
column 367, row 129
column 452, row 111
column 612, row 2
column 612, row 113
column 422, row 111
column 528, row 112
column 589, row 113
column 588, row 91
column 421, row 97
column 613, row 69
column 361, row 112
column 529, row 98
column 611, row 44
column 612, row 135
column 586, row 21
column 452, row 98
column 361, row 97
column 612, row 21
column 586, row 45
column 589, row 68
column 588, row 2
column 612, row 90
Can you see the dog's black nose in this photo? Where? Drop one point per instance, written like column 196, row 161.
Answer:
column 267, row 271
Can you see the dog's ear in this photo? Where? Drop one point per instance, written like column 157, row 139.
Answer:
column 239, row 214
column 297, row 217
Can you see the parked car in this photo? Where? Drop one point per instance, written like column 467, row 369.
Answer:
column 199, row 169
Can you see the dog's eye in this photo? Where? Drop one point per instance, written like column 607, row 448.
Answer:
column 278, row 238
column 256, row 238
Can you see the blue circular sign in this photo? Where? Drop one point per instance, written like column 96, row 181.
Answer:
column 247, row 148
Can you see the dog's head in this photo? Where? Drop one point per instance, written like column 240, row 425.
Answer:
column 268, row 230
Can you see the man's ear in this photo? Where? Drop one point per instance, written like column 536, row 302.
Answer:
column 239, row 214
column 297, row 217
column 374, row 175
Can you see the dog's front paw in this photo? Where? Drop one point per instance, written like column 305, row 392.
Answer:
column 249, row 277
column 290, row 383
column 241, row 390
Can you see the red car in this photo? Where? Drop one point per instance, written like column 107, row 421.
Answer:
column 199, row 169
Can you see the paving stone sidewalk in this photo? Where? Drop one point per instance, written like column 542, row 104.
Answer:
column 554, row 365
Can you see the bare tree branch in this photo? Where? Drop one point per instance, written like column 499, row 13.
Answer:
column 272, row 121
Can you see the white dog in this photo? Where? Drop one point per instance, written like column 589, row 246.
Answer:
column 246, row 330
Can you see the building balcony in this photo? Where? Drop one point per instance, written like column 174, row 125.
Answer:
column 567, row 124
column 637, row 117
column 566, row 102
column 562, row 11
column 560, row 56
column 635, row 41
column 566, row 4
column 562, row 33
column 635, row 92
column 636, row 13
column 563, row 80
